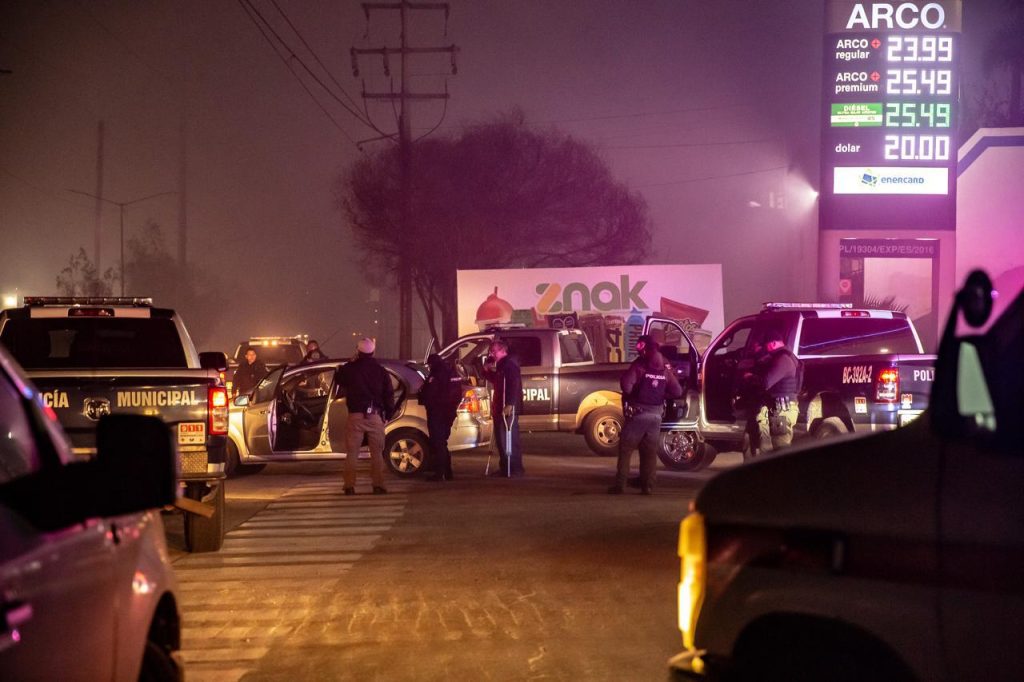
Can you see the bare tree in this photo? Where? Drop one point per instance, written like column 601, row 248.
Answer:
column 498, row 195
column 80, row 277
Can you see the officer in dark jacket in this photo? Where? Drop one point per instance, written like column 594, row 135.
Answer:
column 776, row 377
column 506, row 406
column 646, row 385
column 248, row 374
column 441, row 395
column 371, row 403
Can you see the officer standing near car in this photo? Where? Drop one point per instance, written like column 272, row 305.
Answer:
column 777, row 376
column 440, row 395
column 371, row 402
column 646, row 385
column 506, row 406
column 249, row 375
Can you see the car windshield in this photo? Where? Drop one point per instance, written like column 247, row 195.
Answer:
column 92, row 342
column 856, row 336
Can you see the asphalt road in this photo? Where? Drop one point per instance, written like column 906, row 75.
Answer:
column 541, row 578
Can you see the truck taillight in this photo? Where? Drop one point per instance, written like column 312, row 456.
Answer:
column 217, row 406
column 470, row 403
column 887, row 385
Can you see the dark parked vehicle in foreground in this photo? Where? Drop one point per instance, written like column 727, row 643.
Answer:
column 115, row 355
column 897, row 556
column 864, row 371
column 299, row 414
column 563, row 388
column 86, row 591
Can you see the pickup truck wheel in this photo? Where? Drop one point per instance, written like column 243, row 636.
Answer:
column 683, row 451
column 405, row 451
column 202, row 534
column 833, row 426
column 601, row 430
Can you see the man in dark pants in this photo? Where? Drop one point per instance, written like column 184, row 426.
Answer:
column 646, row 385
column 441, row 395
column 371, row 402
column 506, row 406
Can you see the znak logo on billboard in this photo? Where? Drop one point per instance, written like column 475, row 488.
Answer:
column 603, row 296
column 905, row 15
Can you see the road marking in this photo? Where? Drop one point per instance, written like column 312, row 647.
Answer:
column 237, row 604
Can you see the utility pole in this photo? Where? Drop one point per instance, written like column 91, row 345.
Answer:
column 121, row 205
column 405, row 142
column 99, row 193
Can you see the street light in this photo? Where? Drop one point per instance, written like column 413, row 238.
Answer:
column 121, row 205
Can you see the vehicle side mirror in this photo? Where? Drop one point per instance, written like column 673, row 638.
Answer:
column 975, row 298
column 241, row 401
column 214, row 360
column 134, row 470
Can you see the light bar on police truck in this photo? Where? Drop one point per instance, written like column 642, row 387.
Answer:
column 772, row 305
column 88, row 300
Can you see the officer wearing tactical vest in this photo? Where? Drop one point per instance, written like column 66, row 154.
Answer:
column 646, row 385
column 441, row 394
column 778, row 374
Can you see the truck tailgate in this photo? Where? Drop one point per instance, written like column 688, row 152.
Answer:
column 80, row 398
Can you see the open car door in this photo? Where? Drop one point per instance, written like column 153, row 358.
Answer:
column 260, row 419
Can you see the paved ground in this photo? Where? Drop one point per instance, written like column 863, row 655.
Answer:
column 541, row 578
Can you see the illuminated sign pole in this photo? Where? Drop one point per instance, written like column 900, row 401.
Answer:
column 889, row 120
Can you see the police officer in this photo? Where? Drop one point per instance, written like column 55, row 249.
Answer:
column 371, row 402
column 441, row 395
column 646, row 385
column 249, row 375
column 777, row 376
column 313, row 353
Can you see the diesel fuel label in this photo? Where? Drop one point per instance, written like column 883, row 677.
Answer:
column 846, row 115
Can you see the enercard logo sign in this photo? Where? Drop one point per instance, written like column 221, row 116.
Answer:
column 603, row 296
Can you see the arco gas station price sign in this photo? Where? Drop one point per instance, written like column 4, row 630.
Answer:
column 891, row 109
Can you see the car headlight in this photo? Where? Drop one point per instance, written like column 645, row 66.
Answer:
column 693, row 565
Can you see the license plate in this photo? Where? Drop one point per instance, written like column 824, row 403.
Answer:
column 191, row 433
column 860, row 405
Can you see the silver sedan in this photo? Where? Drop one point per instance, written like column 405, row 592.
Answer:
column 299, row 414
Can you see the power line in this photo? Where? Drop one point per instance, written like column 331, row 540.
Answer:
column 691, row 144
column 246, row 7
column 305, row 67
column 315, row 56
column 81, row 5
column 639, row 114
column 712, row 177
column 41, row 190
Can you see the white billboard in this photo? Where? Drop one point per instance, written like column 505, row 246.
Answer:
column 609, row 302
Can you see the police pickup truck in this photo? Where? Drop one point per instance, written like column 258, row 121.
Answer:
column 897, row 556
column 114, row 355
column 864, row 371
column 563, row 388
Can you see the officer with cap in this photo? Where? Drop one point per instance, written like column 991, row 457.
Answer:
column 646, row 385
column 776, row 377
column 371, row 402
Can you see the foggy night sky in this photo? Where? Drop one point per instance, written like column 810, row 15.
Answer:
column 633, row 78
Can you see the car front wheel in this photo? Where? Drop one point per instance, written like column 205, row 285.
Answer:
column 602, row 429
column 405, row 451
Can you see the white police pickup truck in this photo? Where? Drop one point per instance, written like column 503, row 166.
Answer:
column 115, row 355
column 897, row 556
